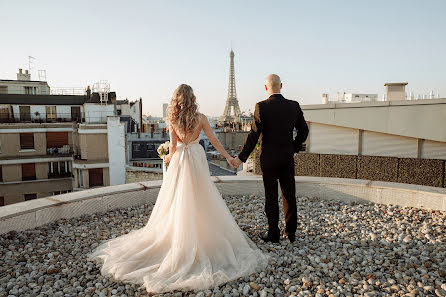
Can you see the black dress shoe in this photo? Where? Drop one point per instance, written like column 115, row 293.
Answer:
column 267, row 238
column 292, row 238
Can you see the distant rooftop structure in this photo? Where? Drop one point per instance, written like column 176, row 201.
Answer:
column 395, row 91
column 24, row 85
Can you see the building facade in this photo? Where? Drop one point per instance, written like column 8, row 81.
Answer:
column 36, row 160
column 52, row 144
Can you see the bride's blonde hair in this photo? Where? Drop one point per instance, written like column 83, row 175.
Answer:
column 182, row 113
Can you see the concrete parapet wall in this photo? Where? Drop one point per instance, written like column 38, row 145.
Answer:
column 38, row 212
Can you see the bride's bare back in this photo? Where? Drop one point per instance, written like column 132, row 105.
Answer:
column 203, row 124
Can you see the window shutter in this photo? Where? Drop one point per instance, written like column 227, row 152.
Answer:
column 26, row 140
column 56, row 139
column 29, row 171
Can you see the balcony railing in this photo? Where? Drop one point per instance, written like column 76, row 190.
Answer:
column 59, row 175
column 40, row 118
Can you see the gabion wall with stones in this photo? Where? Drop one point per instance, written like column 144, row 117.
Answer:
column 426, row 172
column 421, row 172
column 306, row 165
column 378, row 168
column 343, row 166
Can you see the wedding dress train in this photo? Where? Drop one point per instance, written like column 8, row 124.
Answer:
column 190, row 242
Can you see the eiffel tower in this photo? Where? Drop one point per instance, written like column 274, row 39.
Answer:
column 231, row 101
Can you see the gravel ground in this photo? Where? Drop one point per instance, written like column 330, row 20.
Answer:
column 342, row 249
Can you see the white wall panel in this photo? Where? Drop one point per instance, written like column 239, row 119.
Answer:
column 433, row 150
column 380, row 144
column 328, row 139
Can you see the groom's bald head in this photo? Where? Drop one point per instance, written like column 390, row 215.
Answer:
column 273, row 84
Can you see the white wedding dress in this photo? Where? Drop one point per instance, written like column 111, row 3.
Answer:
column 190, row 242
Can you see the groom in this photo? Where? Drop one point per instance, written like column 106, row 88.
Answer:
column 274, row 121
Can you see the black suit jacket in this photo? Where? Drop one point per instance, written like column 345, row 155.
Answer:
column 274, row 121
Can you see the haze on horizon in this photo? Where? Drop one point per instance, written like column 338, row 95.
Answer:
column 147, row 48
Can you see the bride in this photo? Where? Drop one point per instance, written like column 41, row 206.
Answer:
column 191, row 241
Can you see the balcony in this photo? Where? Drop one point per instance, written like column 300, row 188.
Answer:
column 40, row 118
column 65, row 150
column 55, row 175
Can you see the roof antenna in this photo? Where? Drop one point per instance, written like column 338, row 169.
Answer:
column 30, row 58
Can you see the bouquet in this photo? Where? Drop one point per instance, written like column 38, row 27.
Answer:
column 163, row 149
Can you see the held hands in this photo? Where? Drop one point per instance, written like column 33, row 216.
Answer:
column 234, row 162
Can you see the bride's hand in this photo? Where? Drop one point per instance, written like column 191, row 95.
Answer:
column 167, row 158
column 230, row 161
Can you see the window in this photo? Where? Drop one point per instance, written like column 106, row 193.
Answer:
column 150, row 147
column 26, row 141
column 4, row 114
column 3, row 90
column 81, row 178
column 1, row 174
column 51, row 112
column 59, row 169
column 136, row 147
column 29, row 171
column 31, row 196
column 76, row 114
column 2, row 201
column 95, row 177
column 30, row 90
column 25, row 113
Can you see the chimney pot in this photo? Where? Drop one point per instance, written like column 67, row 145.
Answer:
column 26, row 71
column 20, row 70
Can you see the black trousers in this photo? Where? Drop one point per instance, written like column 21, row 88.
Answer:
column 284, row 173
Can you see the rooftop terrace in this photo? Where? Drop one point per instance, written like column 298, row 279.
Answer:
column 355, row 238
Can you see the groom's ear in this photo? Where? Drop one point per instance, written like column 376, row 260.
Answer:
column 280, row 85
column 266, row 88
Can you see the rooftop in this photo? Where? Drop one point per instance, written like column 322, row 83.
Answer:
column 346, row 244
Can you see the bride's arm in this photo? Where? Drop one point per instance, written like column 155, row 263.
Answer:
column 214, row 140
column 172, row 145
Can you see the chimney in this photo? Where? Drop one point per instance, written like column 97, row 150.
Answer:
column 395, row 91
column 23, row 76
column 324, row 98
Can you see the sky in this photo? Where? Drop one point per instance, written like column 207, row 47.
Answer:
column 147, row 48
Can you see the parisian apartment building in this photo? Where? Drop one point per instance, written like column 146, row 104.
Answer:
column 53, row 144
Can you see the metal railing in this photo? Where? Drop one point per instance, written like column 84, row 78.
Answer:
column 55, row 175
column 93, row 117
column 40, row 118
